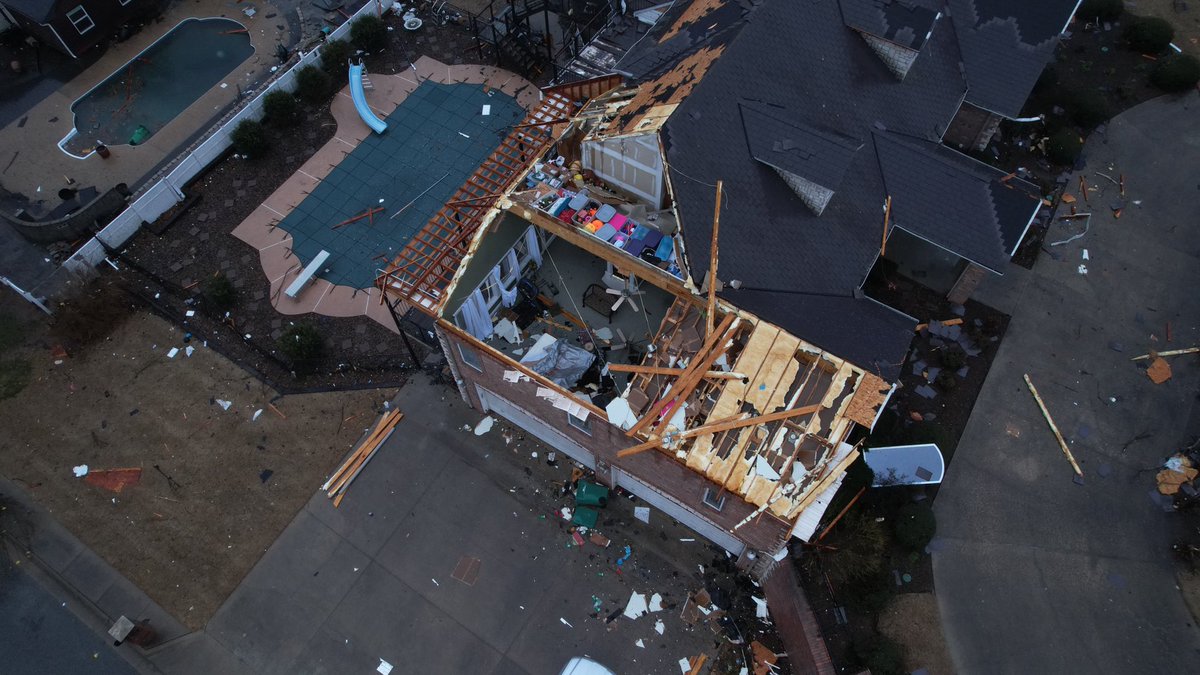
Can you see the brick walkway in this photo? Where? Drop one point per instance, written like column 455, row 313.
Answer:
column 795, row 622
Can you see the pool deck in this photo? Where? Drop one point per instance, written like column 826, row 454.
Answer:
column 30, row 143
column 274, row 244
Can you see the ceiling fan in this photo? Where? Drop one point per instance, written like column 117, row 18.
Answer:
column 626, row 293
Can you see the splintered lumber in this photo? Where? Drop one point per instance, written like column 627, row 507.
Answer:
column 353, row 465
column 1170, row 352
column 1053, row 427
column 655, row 370
column 709, row 318
column 750, row 421
column 697, row 662
column 700, row 363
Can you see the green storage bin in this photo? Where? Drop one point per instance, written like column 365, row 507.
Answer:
column 590, row 494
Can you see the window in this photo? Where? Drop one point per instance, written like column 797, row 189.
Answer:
column 80, row 19
column 584, row 425
column 469, row 357
column 712, row 501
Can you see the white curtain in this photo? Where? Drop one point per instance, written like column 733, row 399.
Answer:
column 474, row 312
column 509, row 295
column 531, row 244
column 508, row 298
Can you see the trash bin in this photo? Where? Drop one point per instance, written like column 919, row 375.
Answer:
column 588, row 493
column 585, row 516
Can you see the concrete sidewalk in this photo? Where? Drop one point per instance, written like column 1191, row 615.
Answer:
column 1034, row 573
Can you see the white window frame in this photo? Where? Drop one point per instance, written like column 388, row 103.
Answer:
column 470, row 357
column 718, row 505
column 584, row 425
column 75, row 21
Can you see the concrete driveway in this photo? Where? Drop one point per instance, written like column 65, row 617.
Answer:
column 1034, row 573
column 343, row 588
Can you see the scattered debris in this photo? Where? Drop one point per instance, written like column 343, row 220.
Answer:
column 636, row 606
column 80, row 471
column 659, row 627
column 642, row 513
column 656, row 603
column 1159, row 370
column 484, row 426
column 1053, row 427
column 1178, row 471
column 384, row 667
column 114, row 480
column 760, row 607
column 225, row 405
column 599, row 540
column 265, row 475
column 764, row 658
column 1170, row 352
column 340, row 481
column 565, row 622
column 640, row 643
column 257, row 413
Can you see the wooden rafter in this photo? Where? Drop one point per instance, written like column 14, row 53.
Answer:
column 656, row 370
column 700, row 364
column 887, row 216
column 425, row 267
column 722, row 425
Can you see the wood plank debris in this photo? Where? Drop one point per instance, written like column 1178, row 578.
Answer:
column 1159, row 370
column 1169, row 352
column 1053, row 427
column 340, row 481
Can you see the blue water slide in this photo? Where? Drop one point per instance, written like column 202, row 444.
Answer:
column 360, row 100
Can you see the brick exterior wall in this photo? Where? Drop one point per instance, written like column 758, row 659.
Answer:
column 898, row 59
column 967, row 282
column 765, row 533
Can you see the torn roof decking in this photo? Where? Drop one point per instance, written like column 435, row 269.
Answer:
column 781, row 462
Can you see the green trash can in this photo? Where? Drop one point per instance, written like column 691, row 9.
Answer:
column 585, row 516
column 588, row 493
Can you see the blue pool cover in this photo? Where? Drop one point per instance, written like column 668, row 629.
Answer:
column 436, row 137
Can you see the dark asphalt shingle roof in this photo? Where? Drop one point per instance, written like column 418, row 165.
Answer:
column 952, row 200
column 1005, row 45
column 778, row 139
column 903, row 22
column 38, row 10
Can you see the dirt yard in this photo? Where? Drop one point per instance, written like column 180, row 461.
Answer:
column 912, row 620
column 228, row 483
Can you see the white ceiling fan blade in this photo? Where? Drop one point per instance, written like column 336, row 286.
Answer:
column 618, row 303
column 613, row 291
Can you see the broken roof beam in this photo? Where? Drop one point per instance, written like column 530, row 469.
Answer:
column 703, row 360
column 655, row 370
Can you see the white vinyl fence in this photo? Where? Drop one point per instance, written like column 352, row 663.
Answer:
column 167, row 190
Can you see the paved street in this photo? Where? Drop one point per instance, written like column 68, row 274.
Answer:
column 1034, row 573
column 343, row 588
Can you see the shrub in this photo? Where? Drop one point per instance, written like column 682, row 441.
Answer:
column 870, row 595
column 881, row 655
column 861, row 544
column 1176, row 73
column 1149, row 34
column 302, row 345
column 1105, row 10
column 952, row 357
column 1087, row 108
column 915, row 525
column 218, row 291
column 1064, row 147
column 369, row 33
column 334, row 55
column 250, row 139
column 313, row 85
column 281, row 109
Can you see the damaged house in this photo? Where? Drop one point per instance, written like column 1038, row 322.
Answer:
column 778, row 149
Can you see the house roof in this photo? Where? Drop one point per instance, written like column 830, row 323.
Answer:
column 954, row 201
column 38, row 10
column 1005, row 45
column 778, row 141
column 903, row 22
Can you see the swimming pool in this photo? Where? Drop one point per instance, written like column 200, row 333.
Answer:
column 155, row 86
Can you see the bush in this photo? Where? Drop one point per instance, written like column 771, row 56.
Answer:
column 369, row 33
column 1149, row 34
column 281, row 109
column 1105, row 10
column 1064, row 147
column 1087, row 109
column 915, row 525
column 1176, row 73
column 881, row 655
column 952, row 357
column 861, row 544
column 313, row 85
column 218, row 292
column 871, row 595
column 334, row 56
column 250, row 139
column 302, row 345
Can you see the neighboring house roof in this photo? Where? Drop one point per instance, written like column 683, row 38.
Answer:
column 953, row 201
column 38, row 10
column 903, row 22
column 1005, row 45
